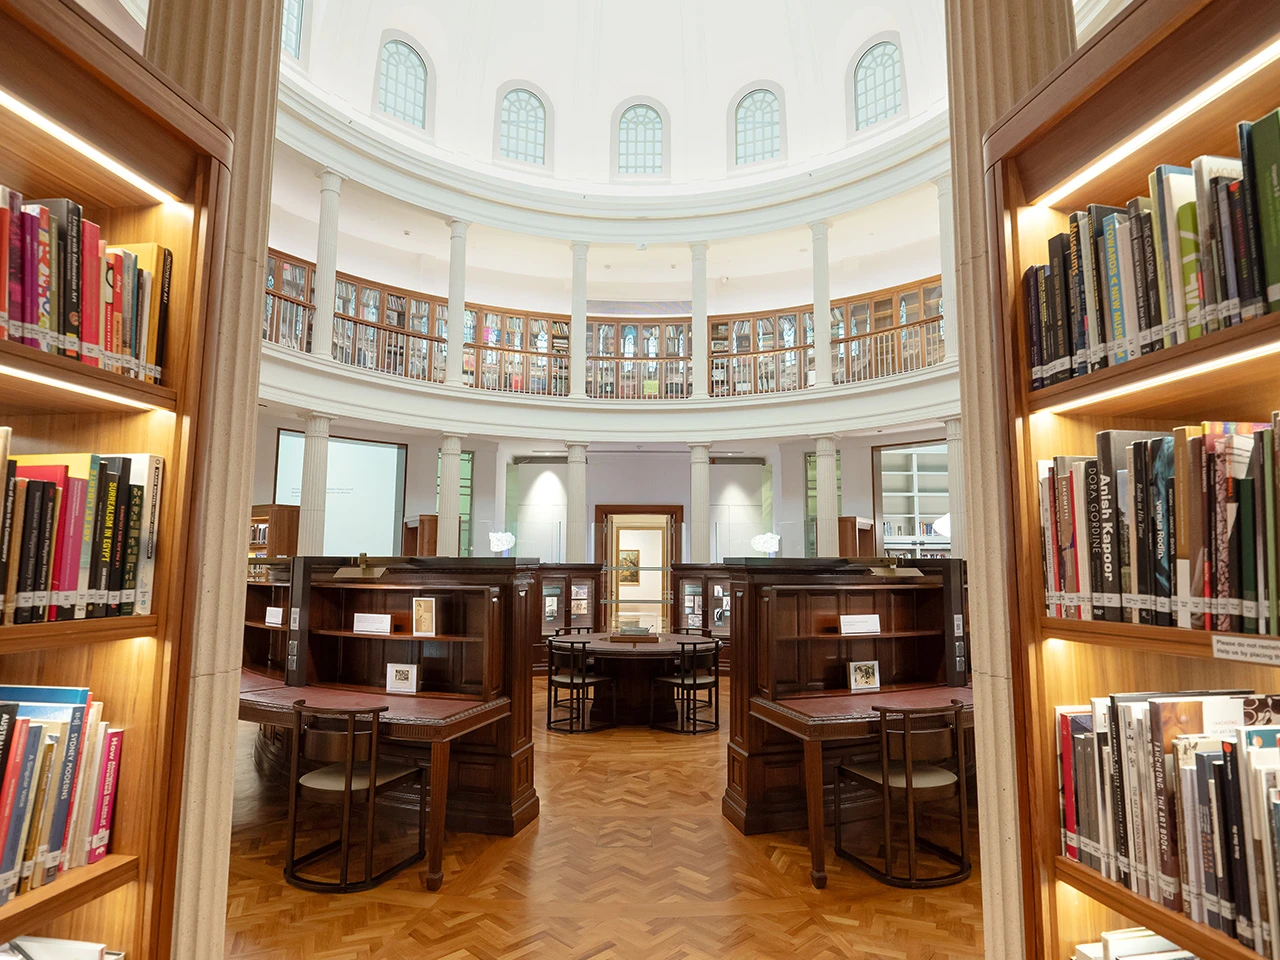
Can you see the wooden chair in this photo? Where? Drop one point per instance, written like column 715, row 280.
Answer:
column 918, row 749
column 697, row 672
column 349, row 746
column 569, row 672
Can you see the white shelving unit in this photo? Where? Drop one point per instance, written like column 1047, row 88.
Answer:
column 912, row 493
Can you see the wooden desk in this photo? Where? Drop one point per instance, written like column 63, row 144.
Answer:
column 434, row 720
column 632, row 665
column 816, row 719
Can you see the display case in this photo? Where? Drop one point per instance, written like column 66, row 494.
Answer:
column 571, row 597
column 640, row 359
column 761, row 353
column 700, row 603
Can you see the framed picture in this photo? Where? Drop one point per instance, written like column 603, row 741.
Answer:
column 629, row 561
column 424, row 617
column 581, row 591
column 864, row 676
column 402, row 678
column 578, row 607
column 550, row 607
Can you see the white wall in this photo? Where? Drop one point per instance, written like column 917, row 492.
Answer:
column 540, row 505
column 737, row 498
column 649, row 589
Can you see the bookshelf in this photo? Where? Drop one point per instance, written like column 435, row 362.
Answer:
column 1091, row 133
column 69, row 71
column 273, row 531
column 913, row 492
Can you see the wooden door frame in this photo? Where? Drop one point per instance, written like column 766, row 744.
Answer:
column 604, row 510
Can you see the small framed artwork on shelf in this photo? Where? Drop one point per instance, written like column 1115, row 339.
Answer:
column 402, row 678
column 864, row 676
column 424, row 616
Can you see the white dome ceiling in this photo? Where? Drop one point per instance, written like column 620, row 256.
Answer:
column 589, row 57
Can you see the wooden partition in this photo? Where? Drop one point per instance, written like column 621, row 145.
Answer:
column 787, row 641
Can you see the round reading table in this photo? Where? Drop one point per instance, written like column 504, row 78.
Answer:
column 633, row 663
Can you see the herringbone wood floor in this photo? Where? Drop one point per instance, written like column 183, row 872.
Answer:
column 629, row 860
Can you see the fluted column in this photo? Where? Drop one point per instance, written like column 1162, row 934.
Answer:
column 315, row 484
column 575, row 528
column 700, row 353
column 448, row 511
column 226, row 55
column 828, row 509
column 997, row 51
column 578, row 323
column 955, row 484
column 457, row 304
column 699, row 503
column 821, row 306
column 947, row 248
column 326, row 264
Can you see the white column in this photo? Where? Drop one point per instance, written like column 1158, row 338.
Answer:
column 947, row 245
column 821, row 306
column 447, row 510
column 575, row 528
column 955, row 484
column 699, row 503
column 700, row 353
column 828, row 521
column 315, row 484
column 457, row 304
column 326, row 264
column 578, row 323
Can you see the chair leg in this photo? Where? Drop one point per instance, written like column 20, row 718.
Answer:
column 888, row 830
column 424, row 785
column 837, row 795
column 911, row 835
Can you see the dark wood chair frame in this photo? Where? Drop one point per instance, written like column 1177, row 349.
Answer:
column 302, row 713
column 580, row 682
column 899, row 741
column 697, row 669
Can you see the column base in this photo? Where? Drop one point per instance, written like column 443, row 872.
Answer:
column 578, row 395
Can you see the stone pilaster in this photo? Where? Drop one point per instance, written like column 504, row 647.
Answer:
column 955, row 484
column 699, row 503
column 578, row 323
column 997, row 51
column 315, row 484
column 448, row 510
column 575, row 528
column 326, row 264
column 225, row 54
column 698, row 295
column 947, row 248
column 457, row 303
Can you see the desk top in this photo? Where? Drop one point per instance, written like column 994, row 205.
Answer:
column 838, row 716
column 667, row 646
column 421, row 717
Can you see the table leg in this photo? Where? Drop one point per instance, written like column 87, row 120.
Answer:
column 435, row 822
column 813, row 800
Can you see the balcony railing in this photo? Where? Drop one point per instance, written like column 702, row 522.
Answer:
column 504, row 370
column 769, row 371
column 888, row 352
column 667, row 378
column 388, row 349
column 287, row 321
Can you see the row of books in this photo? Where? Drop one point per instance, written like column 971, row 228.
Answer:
column 49, row 948
column 1133, row 943
column 59, row 769
column 63, row 290
column 1200, row 254
column 78, row 534
column 1177, row 796
column 1177, row 528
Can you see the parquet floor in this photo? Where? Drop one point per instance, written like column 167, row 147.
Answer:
column 630, row 859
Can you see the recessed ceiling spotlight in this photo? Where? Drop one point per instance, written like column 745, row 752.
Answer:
column 642, row 246
column 804, row 249
column 406, row 233
column 673, row 266
column 608, row 266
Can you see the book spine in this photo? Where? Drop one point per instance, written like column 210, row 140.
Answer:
column 1204, row 825
column 1093, row 507
column 1160, row 454
column 162, row 316
column 39, row 332
column 90, row 292
column 1119, row 824
column 1168, row 889
column 15, row 278
column 1142, row 532
column 11, row 864
column 133, row 541
column 1225, row 251
column 70, row 546
column 44, row 567
column 105, row 803
column 1248, row 557
column 1064, row 349
column 103, row 543
column 1033, row 327
column 69, row 227
column 1188, row 270
column 5, row 217
column 30, row 554
column 63, row 785
column 153, row 488
column 1233, row 817
column 1083, row 356
column 1108, row 586
column 9, row 785
column 6, row 530
column 1114, row 294
column 1069, row 787
column 1250, row 197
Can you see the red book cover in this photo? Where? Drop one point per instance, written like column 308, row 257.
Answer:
column 1068, row 785
column 9, row 790
column 90, row 292
column 30, row 268
column 105, row 802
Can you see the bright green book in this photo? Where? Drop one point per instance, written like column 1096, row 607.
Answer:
column 1189, row 257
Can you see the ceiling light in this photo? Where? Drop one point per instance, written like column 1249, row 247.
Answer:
column 608, row 266
column 642, row 246
column 83, row 148
column 1165, row 123
column 724, row 280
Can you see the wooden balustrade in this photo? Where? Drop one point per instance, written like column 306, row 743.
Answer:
column 506, row 370
column 388, row 349
column 646, row 378
column 889, row 352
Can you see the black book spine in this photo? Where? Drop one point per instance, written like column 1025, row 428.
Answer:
column 31, row 522
column 1226, row 882
column 6, row 526
column 1160, row 478
column 1093, row 507
column 48, row 528
column 120, row 466
column 1048, row 353
column 1119, row 819
column 1153, row 287
column 1109, row 533
column 1250, row 292
column 1058, row 297
column 104, row 541
column 1234, row 841
column 1226, row 250
column 1139, row 271
column 132, row 544
column 162, row 318
column 1082, row 360
column 1142, row 532
column 1250, row 226
column 1032, row 297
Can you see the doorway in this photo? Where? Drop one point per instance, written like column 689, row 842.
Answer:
column 638, row 543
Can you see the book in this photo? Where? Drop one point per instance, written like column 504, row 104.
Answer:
column 1205, row 170
column 1118, row 334
column 1059, row 312
column 1188, row 268
column 1265, row 137
column 1247, row 235
column 69, row 266
column 1160, row 476
column 16, row 829
column 104, row 803
column 1171, row 187
column 133, row 538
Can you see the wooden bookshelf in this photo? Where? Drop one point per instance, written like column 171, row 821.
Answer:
column 1156, row 57
column 70, row 70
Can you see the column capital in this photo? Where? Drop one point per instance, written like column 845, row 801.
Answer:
column 311, row 415
column 954, row 431
column 699, row 249
column 577, row 452
column 700, row 452
column 819, row 228
column 579, row 248
column 454, row 435
column 330, row 179
column 943, row 182
column 826, row 444
column 457, row 227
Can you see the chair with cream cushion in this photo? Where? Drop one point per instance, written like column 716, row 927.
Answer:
column 921, row 761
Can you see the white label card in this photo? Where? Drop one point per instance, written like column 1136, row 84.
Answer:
column 275, row 616
column 294, row 613
column 372, row 623
column 959, row 624
column 852, row 624
column 1248, row 649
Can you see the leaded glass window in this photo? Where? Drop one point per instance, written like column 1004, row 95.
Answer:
column 523, row 129
column 640, row 140
column 291, row 28
column 877, row 85
column 403, row 83
column 758, row 127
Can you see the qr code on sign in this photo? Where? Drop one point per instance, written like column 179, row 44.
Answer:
column 401, row 675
